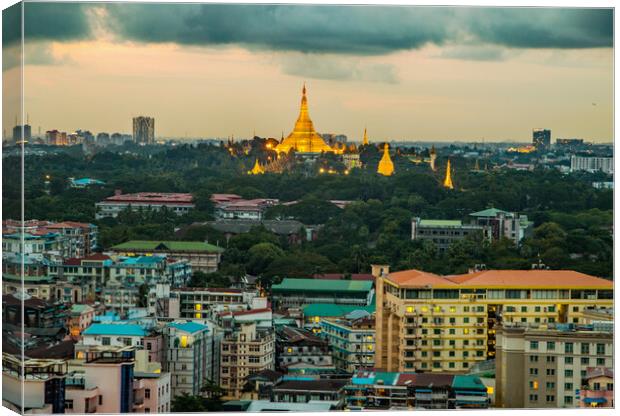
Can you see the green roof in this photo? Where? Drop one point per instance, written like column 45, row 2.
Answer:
column 331, row 309
column 319, row 285
column 440, row 223
column 491, row 212
column 79, row 308
column 468, row 382
column 168, row 246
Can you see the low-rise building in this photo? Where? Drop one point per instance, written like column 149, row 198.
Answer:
column 179, row 203
column 299, row 292
column 295, row 390
column 545, row 367
column 201, row 303
column 231, row 206
column 598, row 389
column 299, row 351
column 203, row 257
column 503, row 224
column 376, row 390
column 444, row 232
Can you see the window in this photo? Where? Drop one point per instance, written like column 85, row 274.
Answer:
column 550, row 398
column 451, row 365
column 68, row 404
column 568, row 399
column 533, row 358
column 147, row 410
column 550, row 371
column 597, row 386
column 550, row 358
column 452, row 353
column 534, row 345
column 568, row 360
column 550, row 345
column 568, row 386
column 100, row 399
column 600, row 349
column 523, row 308
column 105, row 341
column 550, row 385
column 600, row 361
column 585, row 348
column 568, row 373
column 585, row 360
column 568, row 348
column 533, row 371
column 465, row 320
column 533, row 397
column 147, row 393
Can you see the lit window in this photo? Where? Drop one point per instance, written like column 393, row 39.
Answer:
column 317, row 319
column 289, row 350
column 198, row 307
column 466, row 331
column 409, row 309
column 198, row 315
column 370, row 348
column 489, row 390
column 452, row 309
column 183, row 341
column 437, row 309
column 424, row 309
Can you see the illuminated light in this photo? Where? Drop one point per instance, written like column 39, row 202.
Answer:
column 437, row 309
column 466, row 331
column 452, row 309
column 409, row 309
column 198, row 315
column 80, row 355
column 198, row 307
column 322, row 170
column 535, row 385
column 424, row 309
column 370, row 348
column 183, row 341
column 289, row 350
column 490, row 390
column 317, row 319
column 369, row 338
column 48, row 177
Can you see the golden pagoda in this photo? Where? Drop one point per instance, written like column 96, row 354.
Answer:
column 447, row 183
column 257, row 169
column 365, row 140
column 304, row 138
column 386, row 167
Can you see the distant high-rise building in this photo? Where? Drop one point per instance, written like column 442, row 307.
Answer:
column 56, row 138
column 541, row 139
column 17, row 133
column 144, row 130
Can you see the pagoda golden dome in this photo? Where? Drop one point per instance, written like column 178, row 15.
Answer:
column 258, row 169
column 304, row 138
column 386, row 166
column 447, row 183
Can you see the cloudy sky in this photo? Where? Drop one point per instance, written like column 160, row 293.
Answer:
column 406, row 73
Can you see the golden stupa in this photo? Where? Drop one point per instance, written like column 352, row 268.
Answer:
column 365, row 140
column 257, row 169
column 386, row 166
column 304, row 138
column 447, row 183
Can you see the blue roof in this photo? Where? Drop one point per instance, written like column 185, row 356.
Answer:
column 143, row 260
column 88, row 181
column 190, row 327
column 589, row 400
column 129, row 330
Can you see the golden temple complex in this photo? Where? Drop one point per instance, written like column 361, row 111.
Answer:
column 447, row 183
column 386, row 166
column 304, row 138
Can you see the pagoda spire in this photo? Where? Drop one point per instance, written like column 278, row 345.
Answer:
column 257, row 169
column 447, row 183
column 365, row 140
column 386, row 166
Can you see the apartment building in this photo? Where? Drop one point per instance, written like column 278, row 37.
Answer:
column 427, row 322
column 199, row 302
column 179, row 203
column 299, row 351
column 188, row 352
column 592, row 164
column 245, row 350
column 546, row 366
column 598, row 388
column 352, row 340
column 202, row 256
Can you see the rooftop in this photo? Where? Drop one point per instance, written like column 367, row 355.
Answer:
column 120, row 329
column 318, row 285
column 331, row 309
column 152, row 197
column 158, row 245
column 535, row 278
column 491, row 212
column 190, row 327
column 440, row 223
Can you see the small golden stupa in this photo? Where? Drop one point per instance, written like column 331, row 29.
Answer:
column 258, row 169
column 365, row 140
column 447, row 183
column 386, row 166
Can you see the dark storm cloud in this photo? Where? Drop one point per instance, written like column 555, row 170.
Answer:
column 362, row 30
column 46, row 21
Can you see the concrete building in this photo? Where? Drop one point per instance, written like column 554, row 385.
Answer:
column 245, row 350
column 144, row 130
column 352, row 341
column 56, row 138
column 203, row 257
column 179, row 203
column 541, row 139
column 445, row 232
column 299, row 292
column 232, row 207
column 540, row 367
column 599, row 388
column 188, row 352
column 299, row 351
column 33, row 385
column 374, row 390
column 503, row 224
column 202, row 303
column 592, row 164
column 427, row 322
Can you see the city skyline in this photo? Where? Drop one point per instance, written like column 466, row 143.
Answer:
column 522, row 69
